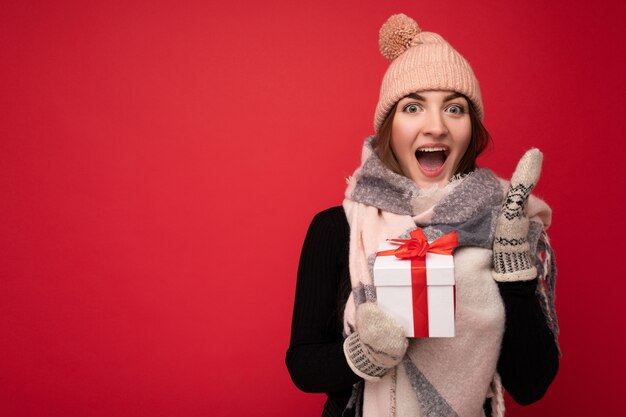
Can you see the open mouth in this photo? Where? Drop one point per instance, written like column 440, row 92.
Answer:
column 431, row 159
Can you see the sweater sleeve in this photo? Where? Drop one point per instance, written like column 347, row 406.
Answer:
column 315, row 357
column 529, row 359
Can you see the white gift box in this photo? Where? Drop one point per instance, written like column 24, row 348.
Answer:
column 394, row 293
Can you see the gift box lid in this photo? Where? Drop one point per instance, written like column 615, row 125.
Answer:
column 392, row 271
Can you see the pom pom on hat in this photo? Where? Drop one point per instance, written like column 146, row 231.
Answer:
column 396, row 35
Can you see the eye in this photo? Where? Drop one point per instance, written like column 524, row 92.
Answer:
column 412, row 108
column 455, row 109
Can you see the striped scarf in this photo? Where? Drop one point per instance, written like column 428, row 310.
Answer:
column 449, row 377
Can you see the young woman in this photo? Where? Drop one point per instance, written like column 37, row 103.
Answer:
column 419, row 171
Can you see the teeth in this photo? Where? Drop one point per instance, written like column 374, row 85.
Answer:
column 431, row 149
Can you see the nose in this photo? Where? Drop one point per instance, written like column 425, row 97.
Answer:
column 435, row 125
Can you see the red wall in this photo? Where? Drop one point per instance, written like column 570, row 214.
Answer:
column 160, row 162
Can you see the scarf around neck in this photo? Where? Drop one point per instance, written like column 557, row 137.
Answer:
column 438, row 376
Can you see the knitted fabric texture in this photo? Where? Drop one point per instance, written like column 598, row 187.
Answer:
column 511, row 256
column 420, row 61
column 438, row 376
column 378, row 344
column 360, row 361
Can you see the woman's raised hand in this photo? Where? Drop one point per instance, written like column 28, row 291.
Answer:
column 511, row 250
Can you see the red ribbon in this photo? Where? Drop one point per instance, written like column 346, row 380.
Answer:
column 415, row 249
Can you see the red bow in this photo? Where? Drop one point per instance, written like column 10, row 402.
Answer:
column 418, row 245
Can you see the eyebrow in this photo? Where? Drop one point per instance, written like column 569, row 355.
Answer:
column 449, row 97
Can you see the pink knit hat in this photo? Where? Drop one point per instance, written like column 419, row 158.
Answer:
column 420, row 61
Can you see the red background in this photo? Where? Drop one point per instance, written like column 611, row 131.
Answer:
column 160, row 163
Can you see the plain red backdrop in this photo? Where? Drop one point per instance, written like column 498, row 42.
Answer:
column 160, row 163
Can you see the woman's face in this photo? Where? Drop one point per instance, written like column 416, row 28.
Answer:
column 430, row 133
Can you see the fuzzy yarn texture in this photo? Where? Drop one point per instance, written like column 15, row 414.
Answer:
column 511, row 250
column 437, row 376
column 377, row 345
column 396, row 35
column 420, row 61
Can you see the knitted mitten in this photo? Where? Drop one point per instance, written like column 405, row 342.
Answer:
column 377, row 345
column 511, row 251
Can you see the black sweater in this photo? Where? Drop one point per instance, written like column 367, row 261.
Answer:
column 528, row 359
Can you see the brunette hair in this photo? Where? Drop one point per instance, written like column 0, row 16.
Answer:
column 479, row 141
